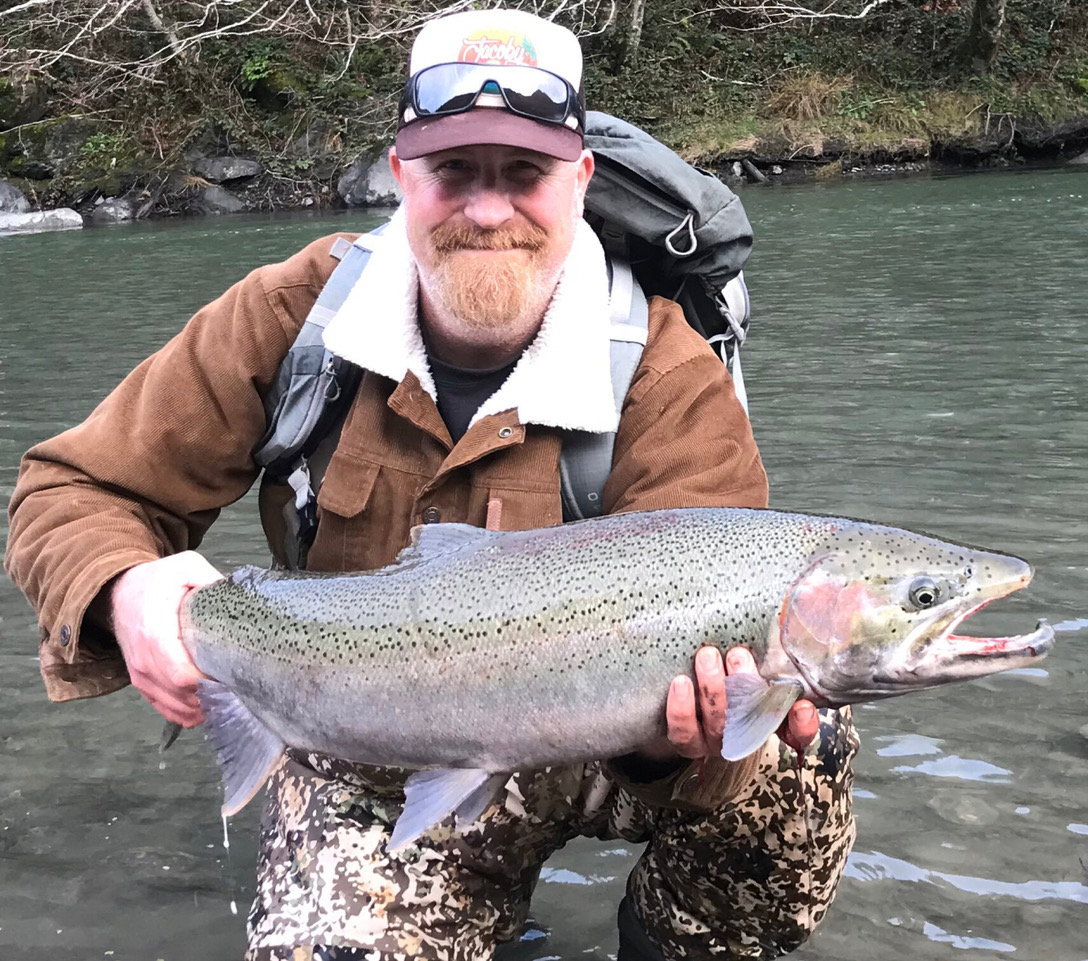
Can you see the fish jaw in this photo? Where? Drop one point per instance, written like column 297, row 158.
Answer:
column 861, row 639
column 944, row 656
column 956, row 657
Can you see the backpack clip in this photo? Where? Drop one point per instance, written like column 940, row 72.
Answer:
column 687, row 223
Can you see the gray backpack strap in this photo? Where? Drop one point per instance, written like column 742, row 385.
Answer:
column 733, row 304
column 308, row 402
column 586, row 458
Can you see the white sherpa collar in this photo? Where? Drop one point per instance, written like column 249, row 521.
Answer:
column 563, row 378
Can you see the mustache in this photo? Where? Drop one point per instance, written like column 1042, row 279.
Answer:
column 450, row 237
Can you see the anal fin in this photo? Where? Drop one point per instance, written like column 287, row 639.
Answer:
column 754, row 709
column 246, row 750
column 432, row 796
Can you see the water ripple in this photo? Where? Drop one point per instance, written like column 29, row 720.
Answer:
column 935, row 933
column 966, row 769
column 907, row 745
column 1077, row 624
column 875, row 866
column 566, row 876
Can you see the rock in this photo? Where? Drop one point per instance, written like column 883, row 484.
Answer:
column 321, row 146
column 754, row 173
column 64, row 218
column 352, row 183
column 33, row 169
column 382, row 190
column 221, row 170
column 216, row 200
column 113, row 211
column 210, row 141
column 317, row 141
column 1081, row 160
column 44, row 150
column 12, row 200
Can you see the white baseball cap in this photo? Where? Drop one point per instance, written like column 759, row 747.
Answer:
column 504, row 105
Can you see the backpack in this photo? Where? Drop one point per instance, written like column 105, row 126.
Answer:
column 667, row 228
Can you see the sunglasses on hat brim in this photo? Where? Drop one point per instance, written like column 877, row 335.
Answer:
column 449, row 88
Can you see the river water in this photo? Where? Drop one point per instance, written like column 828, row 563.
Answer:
column 918, row 357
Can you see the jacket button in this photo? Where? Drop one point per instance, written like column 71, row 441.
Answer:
column 65, row 634
column 432, row 515
column 505, row 432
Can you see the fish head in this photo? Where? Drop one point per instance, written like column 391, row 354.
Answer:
column 875, row 615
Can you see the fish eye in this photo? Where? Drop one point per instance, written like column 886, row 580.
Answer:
column 924, row 593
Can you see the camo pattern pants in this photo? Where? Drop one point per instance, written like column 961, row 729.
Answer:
column 750, row 878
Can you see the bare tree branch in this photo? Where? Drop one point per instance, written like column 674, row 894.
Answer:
column 768, row 13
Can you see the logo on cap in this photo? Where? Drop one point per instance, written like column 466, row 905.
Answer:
column 498, row 47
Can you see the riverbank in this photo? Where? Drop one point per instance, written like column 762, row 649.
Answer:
column 72, row 163
column 285, row 117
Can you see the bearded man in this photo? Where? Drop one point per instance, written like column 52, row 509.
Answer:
column 481, row 328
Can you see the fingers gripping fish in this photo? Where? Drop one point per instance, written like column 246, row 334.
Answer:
column 480, row 653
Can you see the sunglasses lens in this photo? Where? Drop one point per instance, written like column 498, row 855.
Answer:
column 451, row 88
column 535, row 93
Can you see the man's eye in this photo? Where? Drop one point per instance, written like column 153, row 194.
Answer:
column 525, row 170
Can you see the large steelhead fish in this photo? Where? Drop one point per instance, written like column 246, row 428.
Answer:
column 479, row 653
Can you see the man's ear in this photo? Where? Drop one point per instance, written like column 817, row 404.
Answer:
column 583, row 173
column 396, row 167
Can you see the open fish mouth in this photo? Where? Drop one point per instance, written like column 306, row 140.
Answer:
column 959, row 656
column 949, row 656
column 1036, row 644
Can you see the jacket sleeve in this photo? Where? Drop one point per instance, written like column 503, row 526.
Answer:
column 146, row 474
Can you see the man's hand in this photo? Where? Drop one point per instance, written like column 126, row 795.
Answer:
column 697, row 733
column 145, row 604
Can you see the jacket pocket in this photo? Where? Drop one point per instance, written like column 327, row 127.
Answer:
column 347, row 535
column 347, row 485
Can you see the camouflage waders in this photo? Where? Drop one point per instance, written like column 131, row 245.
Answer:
column 748, row 879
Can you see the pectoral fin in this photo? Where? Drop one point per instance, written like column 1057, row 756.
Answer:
column 432, row 796
column 753, row 712
column 246, row 750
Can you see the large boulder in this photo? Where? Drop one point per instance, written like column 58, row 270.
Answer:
column 222, row 170
column 12, row 200
column 1081, row 160
column 216, row 200
column 61, row 219
column 352, row 183
column 116, row 210
column 382, row 190
column 41, row 151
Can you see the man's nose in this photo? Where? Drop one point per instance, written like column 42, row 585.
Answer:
column 489, row 208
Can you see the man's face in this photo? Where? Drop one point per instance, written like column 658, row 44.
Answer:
column 490, row 227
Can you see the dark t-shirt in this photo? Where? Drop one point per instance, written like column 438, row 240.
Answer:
column 461, row 391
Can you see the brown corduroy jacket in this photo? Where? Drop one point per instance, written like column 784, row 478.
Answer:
column 147, row 473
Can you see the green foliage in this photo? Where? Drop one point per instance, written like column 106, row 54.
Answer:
column 258, row 62
column 105, row 148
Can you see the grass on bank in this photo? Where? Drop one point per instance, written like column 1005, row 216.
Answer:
column 814, row 116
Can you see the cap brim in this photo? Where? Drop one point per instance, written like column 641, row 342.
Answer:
column 487, row 125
